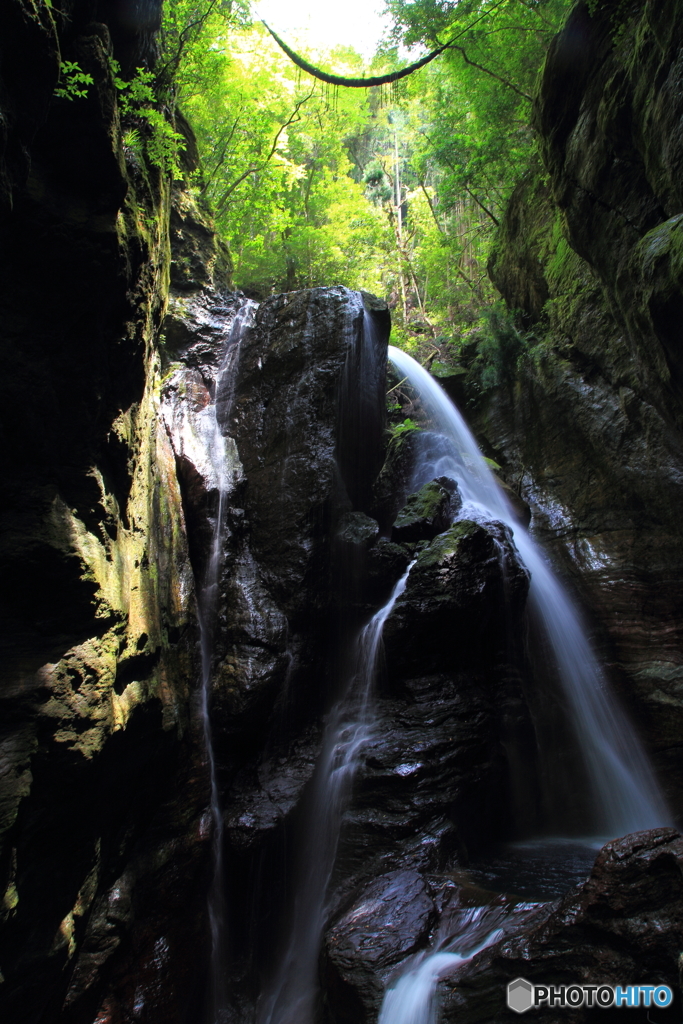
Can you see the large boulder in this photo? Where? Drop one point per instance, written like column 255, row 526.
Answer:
column 391, row 918
column 463, row 598
column 291, row 416
column 425, row 513
column 438, row 773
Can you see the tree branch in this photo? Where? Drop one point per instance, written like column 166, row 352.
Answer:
column 173, row 62
column 294, row 116
column 221, row 156
column 468, row 190
column 369, row 83
column 487, row 71
column 431, row 207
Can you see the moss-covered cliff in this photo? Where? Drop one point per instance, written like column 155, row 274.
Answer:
column 102, row 786
column 588, row 424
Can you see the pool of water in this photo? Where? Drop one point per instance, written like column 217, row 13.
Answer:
column 535, row 870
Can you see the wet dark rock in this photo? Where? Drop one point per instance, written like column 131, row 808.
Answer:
column 393, row 485
column 251, row 650
column 434, row 779
column 361, row 405
column 623, row 926
column 355, row 537
column 451, row 485
column 438, row 775
column 146, row 939
column 463, row 587
column 262, row 797
column 389, row 920
column 385, row 564
column 356, row 530
column 286, row 411
column 424, row 514
column 195, row 329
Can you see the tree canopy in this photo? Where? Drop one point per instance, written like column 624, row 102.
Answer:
column 397, row 187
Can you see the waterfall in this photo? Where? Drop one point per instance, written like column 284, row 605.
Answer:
column 209, row 422
column 290, row 999
column 624, row 794
column 411, row 999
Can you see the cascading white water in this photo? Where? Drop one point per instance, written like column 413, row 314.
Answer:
column 209, row 430
column 411, row 999
column 290, row 999
column 625, row 794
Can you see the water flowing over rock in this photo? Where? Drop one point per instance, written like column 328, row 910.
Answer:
column 174, row 458
column 392, row 917
column 625, row 922
column 623, row 794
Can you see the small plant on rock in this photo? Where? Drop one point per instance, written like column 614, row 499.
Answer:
column 73, row 81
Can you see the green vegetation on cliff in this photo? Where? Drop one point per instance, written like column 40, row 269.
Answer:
column 397, row 191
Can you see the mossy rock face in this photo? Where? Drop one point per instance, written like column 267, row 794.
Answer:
column 589, row 427
column 424, row 515
column 609, row 113
column 392, row 486
column 466, row 587
column 516, row 264
column 447, row 545
column 650, row 295
column 357, row 530
column 101, row 785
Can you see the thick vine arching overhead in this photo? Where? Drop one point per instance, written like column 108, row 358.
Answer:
column 354, row 83
column 369, row 83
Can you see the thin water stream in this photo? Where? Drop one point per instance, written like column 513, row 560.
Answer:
column 209, row 426
column 291, row 996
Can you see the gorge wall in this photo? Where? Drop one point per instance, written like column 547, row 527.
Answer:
column 103, row 787
column 116, row 311
column 588, row 424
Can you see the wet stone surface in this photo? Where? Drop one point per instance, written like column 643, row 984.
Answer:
column 390, row 919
